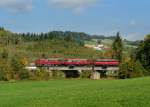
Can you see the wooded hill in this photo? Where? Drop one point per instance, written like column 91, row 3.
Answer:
column 52, row 44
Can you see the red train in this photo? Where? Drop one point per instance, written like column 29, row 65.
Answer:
column 76, row 62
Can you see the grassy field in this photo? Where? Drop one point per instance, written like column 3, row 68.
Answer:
column 76, row 93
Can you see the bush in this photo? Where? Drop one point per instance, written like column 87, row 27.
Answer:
column 58, row 74
column 131, row 69
column 18, row 68
column 24, row 74
column 85, row 74
column 2, row 74
column 42, row 74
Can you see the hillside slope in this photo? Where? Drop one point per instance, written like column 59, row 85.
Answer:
column 45, row 45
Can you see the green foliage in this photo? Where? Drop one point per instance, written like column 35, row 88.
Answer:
column 76, row 37
column 5, row 69
column 69, row 38
column 118, row 47
column 86, row 74
column 16, row 63
column 143, row 53
column 2, row 73
column 131, row 69
column 24, row 74
column 42, row 74
column 12, row 68
column 139, row 68
column 58, row 75
column 18, row 68
column 123, row 73
column 4, row 54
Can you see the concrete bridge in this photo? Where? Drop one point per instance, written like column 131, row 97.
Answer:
column 96, row 71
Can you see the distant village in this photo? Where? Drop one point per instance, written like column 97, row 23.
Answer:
column 98, row 46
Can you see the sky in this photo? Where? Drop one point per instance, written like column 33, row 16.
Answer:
column 101, row 17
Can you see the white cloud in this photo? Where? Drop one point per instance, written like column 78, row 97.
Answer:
column 16, row 6
column 75, row 5
column 134, row 36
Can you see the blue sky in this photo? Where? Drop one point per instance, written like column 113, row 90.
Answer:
column 130, row 17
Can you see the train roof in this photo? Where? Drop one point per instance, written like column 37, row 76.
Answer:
column 106, row 60
column 75, row 59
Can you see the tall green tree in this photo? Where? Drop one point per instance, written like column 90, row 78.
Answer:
column 117, row 47
column 143, row 53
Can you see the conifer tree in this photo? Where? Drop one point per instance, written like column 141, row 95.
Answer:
column 118, row 47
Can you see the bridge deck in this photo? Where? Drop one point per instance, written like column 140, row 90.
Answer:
column 84, row 68
column 76, row 68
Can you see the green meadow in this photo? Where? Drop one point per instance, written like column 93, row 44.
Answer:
column 76, row 93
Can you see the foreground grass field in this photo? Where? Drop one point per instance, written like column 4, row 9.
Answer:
column 77, row 93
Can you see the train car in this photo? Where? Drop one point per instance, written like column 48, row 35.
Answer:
column 106, row 62
column 76, row 62
column 48, row 62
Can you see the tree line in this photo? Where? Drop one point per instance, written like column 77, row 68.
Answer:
column 7, row 37
column 77, row 37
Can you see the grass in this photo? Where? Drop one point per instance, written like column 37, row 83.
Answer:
column 76, row 93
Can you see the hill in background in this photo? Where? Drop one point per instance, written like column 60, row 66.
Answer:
column 54, row 44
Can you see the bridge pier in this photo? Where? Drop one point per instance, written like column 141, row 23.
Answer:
column 80, row 71
column 96, row 75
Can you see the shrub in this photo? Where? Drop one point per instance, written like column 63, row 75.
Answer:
column 131, row 69
column 58, row 74
column 42, row 74
column 2, row 74
column 85, row 74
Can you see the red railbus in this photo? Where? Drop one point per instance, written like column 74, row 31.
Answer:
column 76, row 62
